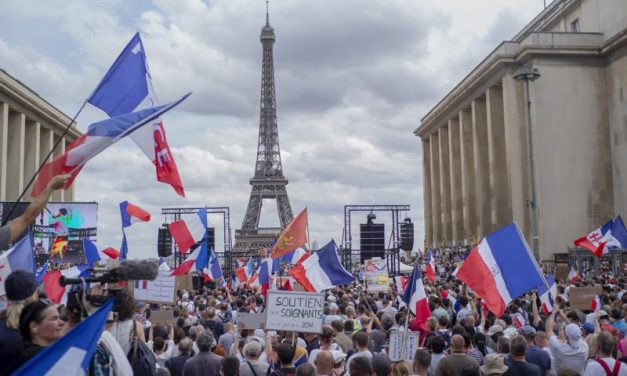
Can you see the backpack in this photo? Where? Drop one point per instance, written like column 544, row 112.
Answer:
column 142, row 359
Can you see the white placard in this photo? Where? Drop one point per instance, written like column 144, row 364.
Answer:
column 161, row 290
column 397, row 352
column 295, row 311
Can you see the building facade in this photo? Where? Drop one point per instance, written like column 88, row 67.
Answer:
column 474, row 141
column 29, row 127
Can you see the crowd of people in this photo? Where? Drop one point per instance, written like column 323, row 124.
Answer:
column 458, row 339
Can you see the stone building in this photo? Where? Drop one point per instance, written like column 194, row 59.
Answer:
column 29, row 127
column 474, row 141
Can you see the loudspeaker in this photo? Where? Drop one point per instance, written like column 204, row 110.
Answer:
column 371, row 241
column 164, row 243
column 407, row 235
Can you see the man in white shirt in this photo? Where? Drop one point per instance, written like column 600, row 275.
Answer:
column 572, row 354
column 604, row 364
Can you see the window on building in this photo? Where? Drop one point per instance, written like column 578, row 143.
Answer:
column 574, row 26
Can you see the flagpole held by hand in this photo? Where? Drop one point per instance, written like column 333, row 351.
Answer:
column 43, row 162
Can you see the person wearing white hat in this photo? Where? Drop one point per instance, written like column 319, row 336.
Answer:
column 571, row 354
column 494, row 365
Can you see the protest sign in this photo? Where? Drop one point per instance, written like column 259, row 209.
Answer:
column 295, row 311
column 184, row 282
column 397, row 351
column 161, row 290
column 162, row 317
column 250, row 320
column 581, row 297
column 376, row 274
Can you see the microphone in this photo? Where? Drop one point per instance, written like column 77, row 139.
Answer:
column 134, row 269
column 147, row 269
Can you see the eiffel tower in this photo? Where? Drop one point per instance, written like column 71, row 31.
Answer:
column 268, row 181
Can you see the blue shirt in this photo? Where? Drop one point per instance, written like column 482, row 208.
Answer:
column 535, row 355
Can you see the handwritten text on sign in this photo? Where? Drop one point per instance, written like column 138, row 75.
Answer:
column 295, row 311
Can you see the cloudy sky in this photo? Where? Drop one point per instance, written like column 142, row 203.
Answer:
column 353, row 79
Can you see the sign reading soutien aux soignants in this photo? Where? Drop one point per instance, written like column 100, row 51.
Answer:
column 295, row 311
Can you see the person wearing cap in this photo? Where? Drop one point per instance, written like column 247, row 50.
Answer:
column 494, row 333
column 338, row 363
column 571, row 354
column 494, row 365
column 535, row 355
column 605, row 364
column 11, row 231
column 21, row 289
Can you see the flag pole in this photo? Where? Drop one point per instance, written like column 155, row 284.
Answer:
column 308, row 241
column 411, row 292
column 43, row 162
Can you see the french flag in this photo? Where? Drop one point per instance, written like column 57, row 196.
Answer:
column 245, row 272
column 253, row 282
column 501, row 268
column 70, row 354
column 213, row 271
column 596, row 304
column 95, row 253
column 322, row 270
column 126, row 87
column 400, row 282
column 196, row 261
column 594, row 241
column 132, row 214
column 99, row 136
column 296, row 256
column 141, row 284
column 190, row 230
column 57, row 293
column 518, row 320
column 430, row 268
column 415, row 297
column 547, row 294
column 18, row 257
column 573, row 276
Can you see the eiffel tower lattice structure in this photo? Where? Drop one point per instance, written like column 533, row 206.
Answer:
column 268, row 181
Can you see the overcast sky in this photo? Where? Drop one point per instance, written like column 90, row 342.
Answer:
column 353, row 79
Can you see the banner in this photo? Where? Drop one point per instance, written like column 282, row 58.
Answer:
column 397, row 351
column 295, row 311
column 162, row 317
column 161, row 290
column 376, row 274
column 581, row 297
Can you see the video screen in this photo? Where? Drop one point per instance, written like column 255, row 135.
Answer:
column 58, row 232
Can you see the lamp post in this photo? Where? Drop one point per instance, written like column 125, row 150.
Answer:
column 527, row 73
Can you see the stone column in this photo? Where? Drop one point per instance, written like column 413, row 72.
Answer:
column 500, row 199
column 15, row 153
column 435, row 188
column 480, row 153
column 468, row 173
column 426, row 190
column 445, row 185
column 31, row 154
column 456, row 178
column 4, row 141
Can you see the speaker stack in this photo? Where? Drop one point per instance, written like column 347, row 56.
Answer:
column 371, row 239
column 164, row 243
column 407, row 235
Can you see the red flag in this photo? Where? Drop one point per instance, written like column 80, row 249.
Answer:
column 287, row 286
column 294, row 236
column 167, row 172
column 53, row 288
